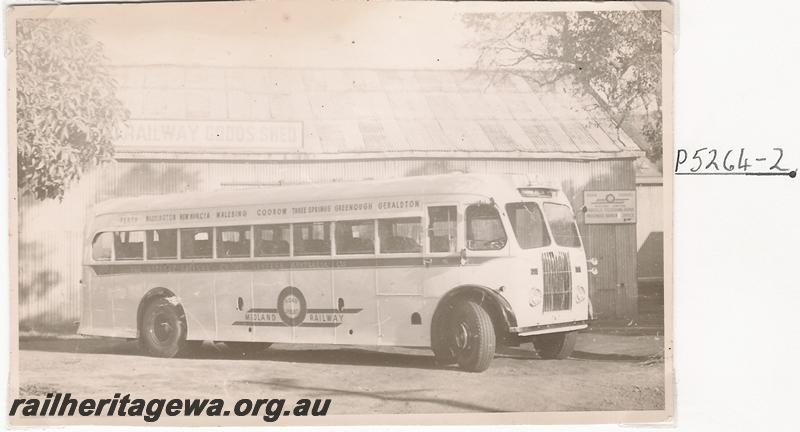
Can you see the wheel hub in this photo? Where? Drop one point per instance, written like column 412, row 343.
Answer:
column 162, row 328
column 461, row 336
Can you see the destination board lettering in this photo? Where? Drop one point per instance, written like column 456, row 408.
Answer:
column 226, row 214
column 311, row 209
column 391, row 205
column 352, row 207
column 160, row 218
column 270, row 212
column 194, row 216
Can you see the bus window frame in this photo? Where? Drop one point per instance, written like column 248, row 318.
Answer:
column 114, row 247
column 331, row 238
column 504, row 223
column 112, row 258
column 423, row 231
column 345, row 255
column 213, row 256
column 553, row 241
column 229, row 259
column 460, row 234
column 277, row 257
column 177, row 249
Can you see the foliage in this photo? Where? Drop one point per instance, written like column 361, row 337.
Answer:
column 613, row 56
column 68, row 115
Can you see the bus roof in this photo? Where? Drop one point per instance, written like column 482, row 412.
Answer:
column 499, row 187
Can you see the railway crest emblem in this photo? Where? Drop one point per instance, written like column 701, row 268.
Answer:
column 292, row 310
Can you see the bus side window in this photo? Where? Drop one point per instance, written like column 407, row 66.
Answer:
column 272, row 240
column 355, row 237
column 101, row 246
column 401, row 235
column 196, row 243
column 162, row 244
column 129, row 245
column 312, row 238
column 442, row 228
column 233, row 242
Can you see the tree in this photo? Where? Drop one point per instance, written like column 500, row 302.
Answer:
column 68, row 115
column 612, row 56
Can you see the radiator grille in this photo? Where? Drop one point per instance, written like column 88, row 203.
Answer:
column 557, row 281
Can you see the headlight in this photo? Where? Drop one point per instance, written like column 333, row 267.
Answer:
column 535, row 297
column 580, row 294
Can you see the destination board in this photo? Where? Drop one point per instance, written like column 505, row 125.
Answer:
column 268, row 212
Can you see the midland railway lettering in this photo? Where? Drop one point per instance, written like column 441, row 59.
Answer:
column 317, row 317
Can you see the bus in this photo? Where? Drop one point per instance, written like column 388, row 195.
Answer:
column 456, row 263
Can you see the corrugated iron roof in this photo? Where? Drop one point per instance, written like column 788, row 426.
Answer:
column 357, row 112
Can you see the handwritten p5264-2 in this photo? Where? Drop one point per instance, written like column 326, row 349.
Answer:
column 711, row 161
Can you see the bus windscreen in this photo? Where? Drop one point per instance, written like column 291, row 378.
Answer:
column 562, row 225
column 528, row 225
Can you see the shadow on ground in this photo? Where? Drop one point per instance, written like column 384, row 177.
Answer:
column 385, row 396
column 419, row 358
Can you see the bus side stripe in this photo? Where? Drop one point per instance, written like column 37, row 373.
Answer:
column 220, row 266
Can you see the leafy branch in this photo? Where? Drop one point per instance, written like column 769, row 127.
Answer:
column 68, row 115
column 612, row 56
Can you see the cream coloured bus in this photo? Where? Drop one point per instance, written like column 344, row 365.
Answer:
column 459, row 263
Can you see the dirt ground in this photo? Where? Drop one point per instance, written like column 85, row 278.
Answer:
column 606, row 372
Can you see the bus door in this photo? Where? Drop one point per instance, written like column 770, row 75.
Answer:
column 98, row 301
column 399, row 275
column 441, row 257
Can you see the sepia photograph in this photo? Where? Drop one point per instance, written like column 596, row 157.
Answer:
column 340, row 213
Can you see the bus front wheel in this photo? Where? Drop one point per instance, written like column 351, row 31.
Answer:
column 248, row 349
column 163, row 329
column 555, row 345
column 466, row 336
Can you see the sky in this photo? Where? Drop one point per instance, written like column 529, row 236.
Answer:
column 287, row 34
column 293, row 33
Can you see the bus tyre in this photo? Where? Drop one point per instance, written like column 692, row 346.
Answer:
column 471, row 336
column 555, row 345
column 163, row 329
column 248, row 349
column 443, row 351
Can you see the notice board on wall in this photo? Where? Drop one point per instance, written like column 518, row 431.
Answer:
column 609, row 206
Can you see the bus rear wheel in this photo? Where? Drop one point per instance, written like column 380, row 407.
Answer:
column 555, row 345
column 163, row 329
column 248, row 349
column 467, row 337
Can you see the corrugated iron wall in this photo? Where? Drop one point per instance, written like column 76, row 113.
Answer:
column 49, row 251
column 50, row 258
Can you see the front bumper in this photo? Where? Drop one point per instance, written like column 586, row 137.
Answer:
column 549, row 328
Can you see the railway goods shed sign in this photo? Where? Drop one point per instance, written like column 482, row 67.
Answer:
column 212, row 136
